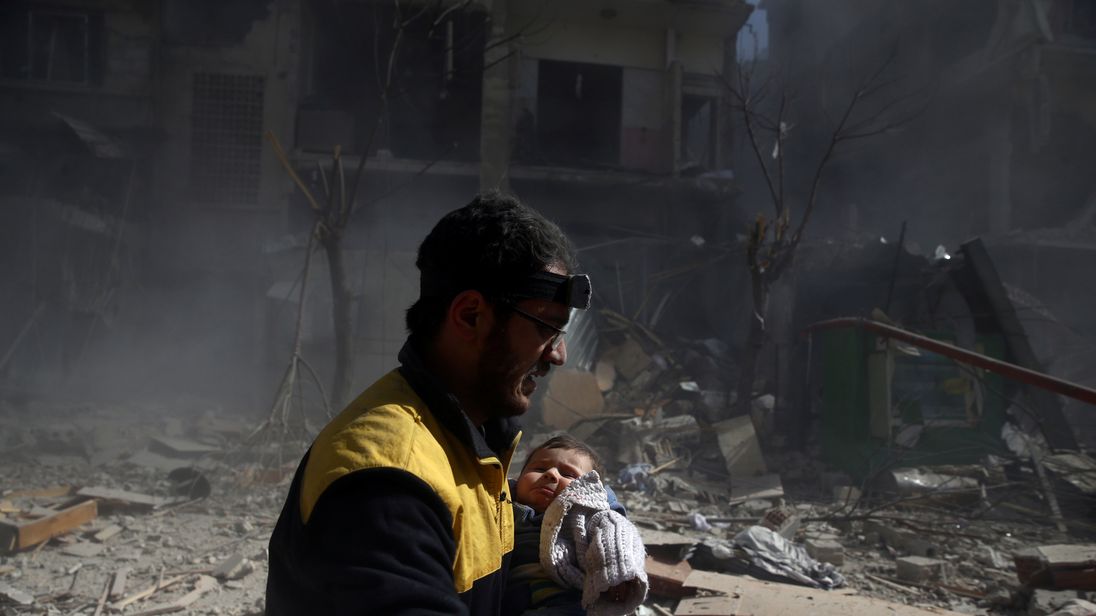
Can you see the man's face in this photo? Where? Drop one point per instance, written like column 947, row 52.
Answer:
column 516, row 353
column 547, row 473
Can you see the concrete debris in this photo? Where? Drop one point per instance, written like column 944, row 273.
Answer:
column 1075, row 607
column 762, row 597
column 918, row 569
column 16, row 595
column 107, row 533
column 1046, row 602
column 1057, row 566
column 83, row 550
column 122, row 498
column 234, row 567
column 740, row 447
column 180, row 448
column 826, row 550
column 783, row 521
column 667, row 579
column 572, row 395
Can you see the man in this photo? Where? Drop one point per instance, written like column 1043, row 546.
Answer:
column 401, row 505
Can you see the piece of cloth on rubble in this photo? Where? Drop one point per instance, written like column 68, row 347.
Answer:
column 773, row 553
column 584, row 544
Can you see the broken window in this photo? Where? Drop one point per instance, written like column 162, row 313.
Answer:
column 698, row 132
column 426, row 62
column 52, row 45
column 226, row 138
column 579, row 111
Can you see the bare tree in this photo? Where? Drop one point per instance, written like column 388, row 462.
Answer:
column 334, row 203
column 874, row 107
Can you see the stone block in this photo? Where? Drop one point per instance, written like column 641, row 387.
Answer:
column 918, row 569
column 826, row 550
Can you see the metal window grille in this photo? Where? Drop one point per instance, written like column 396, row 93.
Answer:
column 226, row 138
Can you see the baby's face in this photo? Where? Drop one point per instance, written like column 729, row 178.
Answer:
column 547, row 473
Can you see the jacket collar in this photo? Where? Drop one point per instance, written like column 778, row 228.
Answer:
column 497, row 436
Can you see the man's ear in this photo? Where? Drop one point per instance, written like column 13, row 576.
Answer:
column 470, row 315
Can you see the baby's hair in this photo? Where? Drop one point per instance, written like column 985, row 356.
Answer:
column 570, row 443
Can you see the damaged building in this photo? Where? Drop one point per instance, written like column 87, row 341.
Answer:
column 211, row 212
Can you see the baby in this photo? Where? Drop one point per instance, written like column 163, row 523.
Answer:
column 575, row 555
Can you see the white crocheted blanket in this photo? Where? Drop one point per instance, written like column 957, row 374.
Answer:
column 585, row 545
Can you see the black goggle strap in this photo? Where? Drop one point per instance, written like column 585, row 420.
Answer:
column 571, row 291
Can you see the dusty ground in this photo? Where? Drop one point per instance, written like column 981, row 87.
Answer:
column 189, row 542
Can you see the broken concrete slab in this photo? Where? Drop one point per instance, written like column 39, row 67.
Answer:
column 16, row 595
column 572, row 395
column 741, row 449
column 667, row 579
column 759, row 597
column 707, row 606
column 629, row 358
column 1076, row 607
column 918, row 569
column 181, row 448
column 1057, row 566
column 902, row 539
column 107, row 533
column 653, row 537
column 234, row 567
column 83, row 550
column 826, row 550
column 118, row 583
column 123, row 498
column 1046, row 602
column 763, row 488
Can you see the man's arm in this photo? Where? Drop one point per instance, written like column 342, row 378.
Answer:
column 383, row 544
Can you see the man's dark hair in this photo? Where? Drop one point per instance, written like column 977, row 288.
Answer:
column 493, row 240
column 570, row 443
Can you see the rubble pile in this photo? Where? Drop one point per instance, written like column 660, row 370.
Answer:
column 114, row 510
column 733, row 524
column 88, row 526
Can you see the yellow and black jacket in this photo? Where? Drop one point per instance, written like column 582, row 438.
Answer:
column 401, row 506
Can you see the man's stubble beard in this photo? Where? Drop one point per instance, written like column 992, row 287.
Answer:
column 499, row 377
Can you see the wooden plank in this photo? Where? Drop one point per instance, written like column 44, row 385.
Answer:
column 20, row 536
column 52, row 492
column 759, row 597
column 135, row 499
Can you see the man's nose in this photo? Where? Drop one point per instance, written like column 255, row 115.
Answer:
column 558, row 355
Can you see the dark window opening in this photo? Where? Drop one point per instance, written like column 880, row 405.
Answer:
column 50, row 45
column 226, row 138
column 210, row 22
column 698, row 132
column 579, row 113
column 1082, row 18
column 435, row 87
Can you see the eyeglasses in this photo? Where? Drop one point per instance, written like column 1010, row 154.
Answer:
column 546, row 329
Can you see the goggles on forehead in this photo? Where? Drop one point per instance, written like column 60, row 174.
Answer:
column 571, row 291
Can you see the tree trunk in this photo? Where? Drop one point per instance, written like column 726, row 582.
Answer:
column 755, row 341
column 342, row 311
